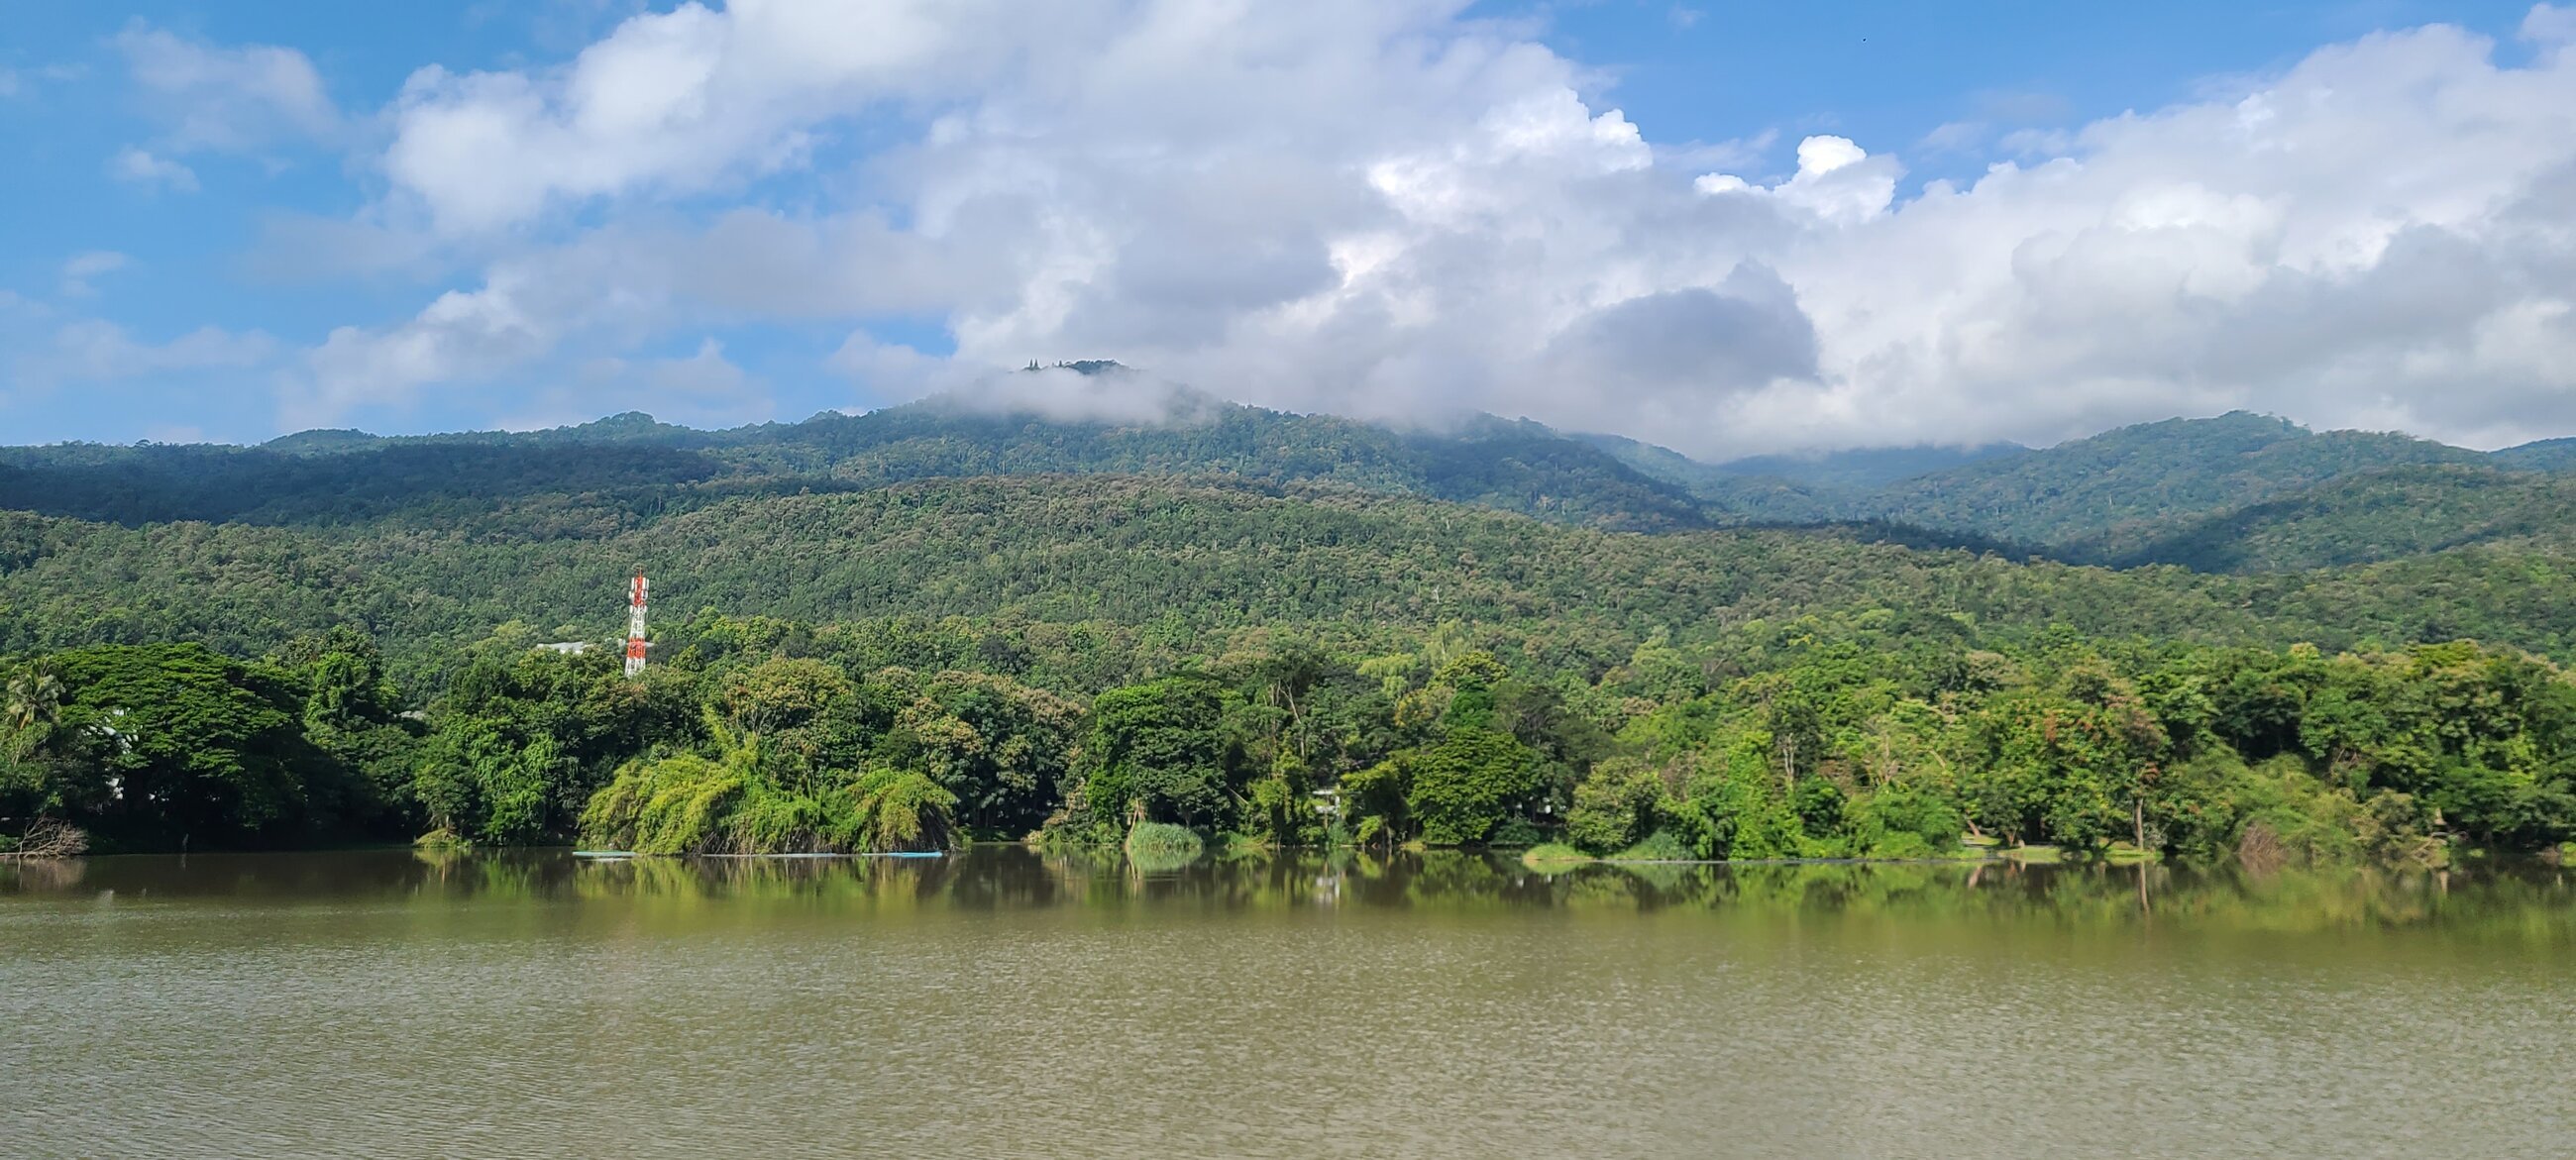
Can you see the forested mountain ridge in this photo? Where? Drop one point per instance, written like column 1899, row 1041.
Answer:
column 2552, row 455
column 2387, row 514
column 426, row 483
column 2094, row 489
column 2235, row 493
column 1866, row 469
column 1141, row 559
column 1733, row 497
column 638, row 468
column 2210, row 494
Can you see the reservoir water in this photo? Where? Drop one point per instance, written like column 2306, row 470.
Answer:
column 1010, row 1003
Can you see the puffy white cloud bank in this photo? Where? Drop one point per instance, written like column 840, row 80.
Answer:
column 1383, row 208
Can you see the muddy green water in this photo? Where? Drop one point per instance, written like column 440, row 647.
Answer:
column 1004, row 1003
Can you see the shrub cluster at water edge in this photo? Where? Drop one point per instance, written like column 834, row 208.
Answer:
column 1162, row 845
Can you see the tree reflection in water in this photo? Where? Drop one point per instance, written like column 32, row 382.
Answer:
column 2521, row 900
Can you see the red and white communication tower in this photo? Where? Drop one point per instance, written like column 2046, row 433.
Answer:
column 635, row 642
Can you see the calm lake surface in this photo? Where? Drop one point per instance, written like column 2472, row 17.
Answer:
column 1007, row 1003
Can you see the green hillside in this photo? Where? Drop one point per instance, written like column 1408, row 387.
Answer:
column 1793, row 489
column 2553, row 455
column 1182, row 557
column 628, row 468
column 1731, row 497
column 1865, row 469
column 2239, row 493
column 1153, row 559
column 2105, row 490
column 2376, row 515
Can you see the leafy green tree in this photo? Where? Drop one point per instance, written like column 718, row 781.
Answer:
column 524, row 738
column 35, row 704
column 681, row 804
column 1001, row 748
column 41, row 762
column 1157, row 752
column 1903, row 821
column 902, row 810
column 353, row 714
column 804, row 711
column 187, row 746
column 1735, row 807
column 1376, row 800
column 1470, row 783
column 1615, row 807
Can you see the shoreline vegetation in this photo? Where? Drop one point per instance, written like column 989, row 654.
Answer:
column 1880, row 736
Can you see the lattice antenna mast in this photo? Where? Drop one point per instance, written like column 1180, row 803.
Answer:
column 635, row 642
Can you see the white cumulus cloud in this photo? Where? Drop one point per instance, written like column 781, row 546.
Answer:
column 81, row 269
column 226, row 97
column 93, row 350
column 1388, row 207
column 142, row 168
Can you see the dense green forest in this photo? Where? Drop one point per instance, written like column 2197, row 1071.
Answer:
column 919, row 625
column 637, row 468
column 1171, row 564
column 2155, row 493
column 1882, row 734
column 2395, row 513
column 2544, row 455
column 2095, row 487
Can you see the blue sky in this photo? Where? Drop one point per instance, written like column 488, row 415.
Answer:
column 229, row 221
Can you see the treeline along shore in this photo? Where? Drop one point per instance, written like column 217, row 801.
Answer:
column 1875, row 734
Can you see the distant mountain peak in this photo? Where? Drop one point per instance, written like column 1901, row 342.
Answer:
column 1083, row 366
column 2554, row 455
column 323, row 439
column 1101, row 391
